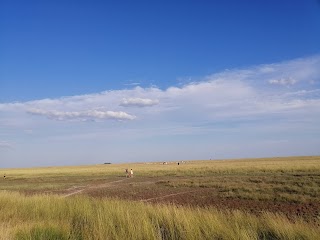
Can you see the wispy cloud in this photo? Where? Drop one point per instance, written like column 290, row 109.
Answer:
column 138, row 102
column 132, row 84
column 283, row 81
column 83, row 116
column 5, row 144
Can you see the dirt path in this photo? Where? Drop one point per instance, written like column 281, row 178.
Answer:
column 145, row 191
column 74, row 192
column 79, row 189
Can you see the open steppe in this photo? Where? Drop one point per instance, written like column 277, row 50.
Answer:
column 279, row 197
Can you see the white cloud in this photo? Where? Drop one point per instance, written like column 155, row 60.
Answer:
column 232, row 93
column 5, row 144
column 83, row 116
column 138, row 102
column 226, row 95
column 228, row 108
column 267, row 69
column 283, row 81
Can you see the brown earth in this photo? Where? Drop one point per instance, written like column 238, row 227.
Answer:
column 151, row 190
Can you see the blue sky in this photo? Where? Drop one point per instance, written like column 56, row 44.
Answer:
column 85, row 82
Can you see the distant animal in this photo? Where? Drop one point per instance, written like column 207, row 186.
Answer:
column 4, row 176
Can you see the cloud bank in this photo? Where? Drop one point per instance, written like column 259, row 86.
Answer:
column 274, row 107
column 252, row 92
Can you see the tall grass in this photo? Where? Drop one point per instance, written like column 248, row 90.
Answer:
column 53, row 217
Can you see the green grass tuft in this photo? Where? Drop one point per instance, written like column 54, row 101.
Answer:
column 41, row 233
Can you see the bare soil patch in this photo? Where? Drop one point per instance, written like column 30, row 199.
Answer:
column 147, row 189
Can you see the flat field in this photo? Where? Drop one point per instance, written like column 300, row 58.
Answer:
column 267, row 198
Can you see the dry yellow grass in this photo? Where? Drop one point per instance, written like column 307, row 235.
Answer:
column 53, row 217
column 80, row 217
column 309, row 163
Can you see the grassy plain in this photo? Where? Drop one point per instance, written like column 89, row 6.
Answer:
column 271, row 198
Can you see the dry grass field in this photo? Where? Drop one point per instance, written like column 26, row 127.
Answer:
column 271, row 198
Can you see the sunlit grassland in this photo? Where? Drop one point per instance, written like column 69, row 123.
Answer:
column 54, row 217
column 56, row 178
column 291, row 179
column 190, row 168
column 294, row 179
